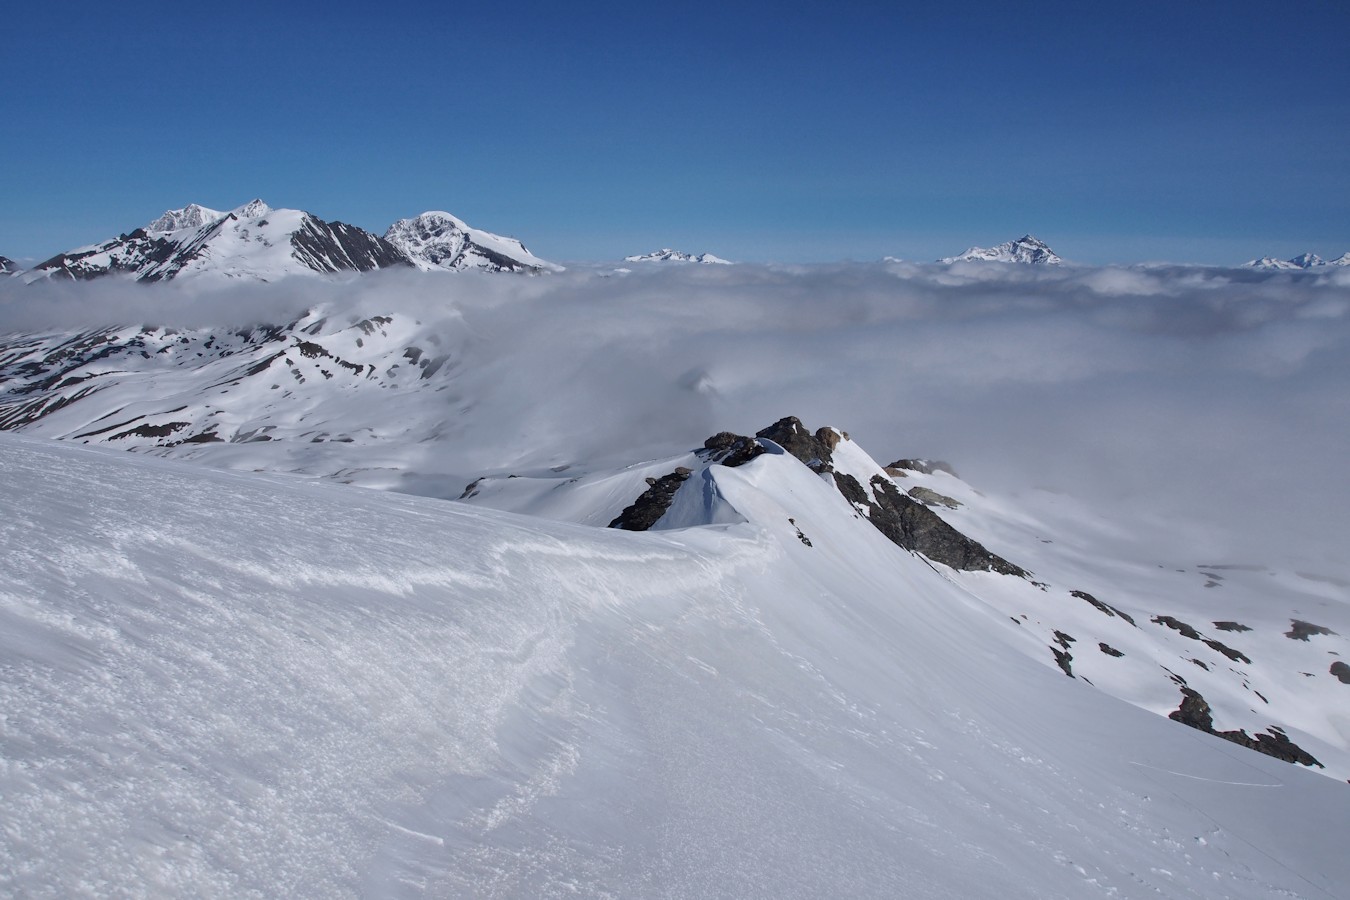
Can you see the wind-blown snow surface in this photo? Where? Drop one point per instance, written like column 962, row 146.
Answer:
column 225, row 684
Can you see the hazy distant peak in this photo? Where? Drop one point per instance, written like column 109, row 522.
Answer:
column 1302, row 261
column 1027, row 249
column 666, row 254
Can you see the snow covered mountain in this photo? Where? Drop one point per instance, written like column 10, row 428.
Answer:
column 1303, row 261
column 719, row 663
column 362, row 401
column 666, row 255
column 234, row 685
column 257, row 242
column 1026, row 249
column 9, row 266
column 253, row 241
column 438, row 240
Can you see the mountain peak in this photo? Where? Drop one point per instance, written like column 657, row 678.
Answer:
column 1302, row 261
column 438, row 240
column 666, row 254
column 252, row 209
column 1027, row 249
column 193, row 215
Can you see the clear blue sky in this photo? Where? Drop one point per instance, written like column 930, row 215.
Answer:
column 1194, row 131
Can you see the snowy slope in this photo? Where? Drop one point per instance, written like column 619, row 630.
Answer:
column 1026, row 249
column 9, row 266
column 253, row 242
column 438, row 240
column 667, row 255
column 234, row 685
column 561, row 397
column 1227, row 631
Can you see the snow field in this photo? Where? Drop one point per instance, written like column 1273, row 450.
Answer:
column 249, row 686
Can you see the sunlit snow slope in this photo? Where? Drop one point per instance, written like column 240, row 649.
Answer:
column 221, row 684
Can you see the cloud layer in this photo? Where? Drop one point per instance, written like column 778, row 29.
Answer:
column 1215, row 396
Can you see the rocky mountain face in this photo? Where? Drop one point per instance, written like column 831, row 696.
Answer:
column 1027, row 249
column 438, row 240
column 9, row 266
column 667, row 255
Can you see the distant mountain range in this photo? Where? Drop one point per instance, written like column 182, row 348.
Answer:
column 1026, row 249
column 1305, row 261
column 666, row 255
column 255, row 241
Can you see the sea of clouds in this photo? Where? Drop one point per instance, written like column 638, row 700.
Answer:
column 1217, row 397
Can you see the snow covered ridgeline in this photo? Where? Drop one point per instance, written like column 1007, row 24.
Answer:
column 231, row 685
column 1302, row 261
column 255, row 241
column 667, row 255
column 1246, row 674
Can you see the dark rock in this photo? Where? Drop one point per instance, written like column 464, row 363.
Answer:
column 930, row 497
column 912, row 525
column 1177, row 625
column 1231, row 626
column 729, row 449
column 1063, row 659
column 1234, row 655
column 816, row 450
column 1102, row 607
column 1301, row 630
column 1109, row 650
column 1341, row 671
column 926, row 466
column 652, row 505
column 151, row 431
column 1064, row 640
column 1195, row 712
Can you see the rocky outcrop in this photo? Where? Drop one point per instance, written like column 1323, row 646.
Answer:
column 911, row 525
column 815, row 450
column 923, row 466
column 647, row 509
column 1195, row 712
column 729, row 449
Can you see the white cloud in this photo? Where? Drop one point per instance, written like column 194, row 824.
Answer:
column 1217, row 395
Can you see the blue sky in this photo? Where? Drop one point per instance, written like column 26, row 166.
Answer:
column 1202, row 132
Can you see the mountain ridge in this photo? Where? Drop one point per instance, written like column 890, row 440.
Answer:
column 255, row 241
column 667, row 255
